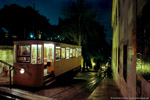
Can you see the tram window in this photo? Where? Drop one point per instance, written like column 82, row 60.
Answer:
column 14, row 53
column 34, row 54
column 48, row 53
column 23, row 53
column 45, row 55
column 57, row 53
column 67, row 53
column 63, row 53
column 74, row 52
column 70, row 52
column 79, row 51
column 39, row 54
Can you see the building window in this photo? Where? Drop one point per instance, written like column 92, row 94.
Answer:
column 118, row 59
column 118, row 8
column 125, row 62
column 116, row 16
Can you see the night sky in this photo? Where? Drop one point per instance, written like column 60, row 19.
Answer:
column 52, row 10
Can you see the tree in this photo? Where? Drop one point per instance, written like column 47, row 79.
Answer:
column 76, row 15
column 21, row 22
column 81, row 27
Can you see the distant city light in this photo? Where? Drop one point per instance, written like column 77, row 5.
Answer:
column 40, row 36
column 94, row 63
column 31, row 35
column 63, row 38
column 103, row 67
column 4, row 29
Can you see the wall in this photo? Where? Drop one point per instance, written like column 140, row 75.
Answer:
column 124, row 44
column 6, row 54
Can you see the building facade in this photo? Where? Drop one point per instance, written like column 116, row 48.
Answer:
column 130, row 25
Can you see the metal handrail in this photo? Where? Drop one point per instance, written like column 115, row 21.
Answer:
column 10, row 69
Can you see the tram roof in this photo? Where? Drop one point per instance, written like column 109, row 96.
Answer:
column 28, row 42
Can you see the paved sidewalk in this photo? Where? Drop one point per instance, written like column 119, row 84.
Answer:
column 107, row 90
column 18, row 92
column 4, row 80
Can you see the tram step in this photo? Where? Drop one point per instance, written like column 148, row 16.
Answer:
column 49, row 80
column 48, row 76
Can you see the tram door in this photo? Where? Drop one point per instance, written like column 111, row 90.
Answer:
column 49, row 58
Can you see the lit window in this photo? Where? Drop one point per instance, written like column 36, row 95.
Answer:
column 57, row 53
column 67, row 53
column 34, row 54
column 70, row 52
column 23, row 53
column 79, row 51
column 63, row 53
column 48, row 53
column 74, row 52
column 14, row 53
column 39, row 54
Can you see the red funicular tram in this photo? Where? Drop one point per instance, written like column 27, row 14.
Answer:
column 38, row 59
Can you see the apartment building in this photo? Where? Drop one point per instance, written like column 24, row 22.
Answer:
column 131, row 46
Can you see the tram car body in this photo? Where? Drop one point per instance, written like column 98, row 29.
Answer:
column 34, row 60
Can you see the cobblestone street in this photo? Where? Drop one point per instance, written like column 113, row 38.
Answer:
column 84, row 86
column 79, row 88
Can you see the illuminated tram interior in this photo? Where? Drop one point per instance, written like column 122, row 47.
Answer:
column 37, row 59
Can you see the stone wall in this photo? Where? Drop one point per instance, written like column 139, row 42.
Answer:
column 6, row 55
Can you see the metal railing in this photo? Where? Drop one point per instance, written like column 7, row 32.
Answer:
column 11, row 67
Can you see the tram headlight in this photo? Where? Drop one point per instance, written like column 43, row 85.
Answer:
column 22, row 71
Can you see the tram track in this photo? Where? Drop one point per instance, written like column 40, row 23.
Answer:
column 93, row 87
column 76, row 90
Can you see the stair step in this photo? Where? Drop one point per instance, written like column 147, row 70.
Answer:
column 50, row 82
column 49, row 79
column 48, row 76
